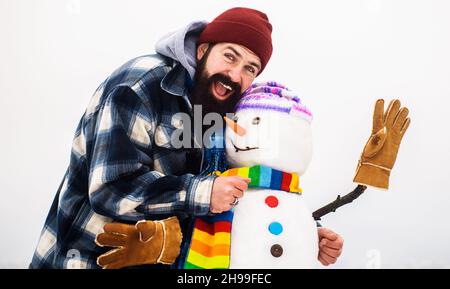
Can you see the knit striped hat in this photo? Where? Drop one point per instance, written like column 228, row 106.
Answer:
column 273, row 96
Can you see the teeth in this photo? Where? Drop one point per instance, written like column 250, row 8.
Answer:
column 226, row 86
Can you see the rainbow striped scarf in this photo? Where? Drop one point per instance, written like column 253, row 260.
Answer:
column 210, row 244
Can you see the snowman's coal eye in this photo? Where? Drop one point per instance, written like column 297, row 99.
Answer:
column 256, row 120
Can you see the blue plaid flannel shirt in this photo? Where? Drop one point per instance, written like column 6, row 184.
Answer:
column 123, row 166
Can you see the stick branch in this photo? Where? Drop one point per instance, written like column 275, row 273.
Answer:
column 339, row 202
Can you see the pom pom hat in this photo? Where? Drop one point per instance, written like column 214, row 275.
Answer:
column 273, row 96
column 244, row 26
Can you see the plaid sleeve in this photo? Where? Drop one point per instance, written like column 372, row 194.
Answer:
column 122, row 184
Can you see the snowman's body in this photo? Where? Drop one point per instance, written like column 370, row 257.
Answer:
column 271, row 228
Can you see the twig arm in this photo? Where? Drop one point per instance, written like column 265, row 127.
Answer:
column 339, row 202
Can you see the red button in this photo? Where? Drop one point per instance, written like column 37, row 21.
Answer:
column 272, row 201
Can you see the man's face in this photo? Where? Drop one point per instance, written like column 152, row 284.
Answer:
column 224, row 72
column 234, row 61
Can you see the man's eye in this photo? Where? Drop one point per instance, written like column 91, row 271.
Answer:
column 229, row 56
column 256, row 120
column 251, row 69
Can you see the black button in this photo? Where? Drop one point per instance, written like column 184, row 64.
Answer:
column 276, row 250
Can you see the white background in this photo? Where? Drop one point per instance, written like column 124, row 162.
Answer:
column 340, row 55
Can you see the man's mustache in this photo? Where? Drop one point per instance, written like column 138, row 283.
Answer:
column 227, row 81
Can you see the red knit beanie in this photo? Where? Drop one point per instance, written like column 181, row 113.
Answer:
column 247, row 27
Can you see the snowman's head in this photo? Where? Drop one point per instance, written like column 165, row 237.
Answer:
column 271, row 127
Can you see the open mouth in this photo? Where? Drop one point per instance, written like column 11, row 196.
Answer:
column 221, row 90
column 244, row 150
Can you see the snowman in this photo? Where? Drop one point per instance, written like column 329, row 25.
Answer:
column 269, row 139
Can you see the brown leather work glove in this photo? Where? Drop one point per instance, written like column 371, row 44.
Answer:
column 380, row 152
column 147, row 242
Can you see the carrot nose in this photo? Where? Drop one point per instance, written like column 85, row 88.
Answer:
column 234, row 126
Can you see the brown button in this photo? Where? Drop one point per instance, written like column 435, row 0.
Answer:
column 276, row 250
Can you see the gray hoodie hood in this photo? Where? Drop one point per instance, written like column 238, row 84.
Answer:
column 181, row 45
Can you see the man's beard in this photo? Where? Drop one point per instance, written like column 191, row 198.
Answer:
column 202, row 95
